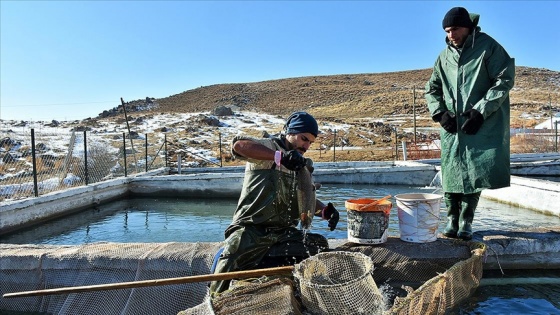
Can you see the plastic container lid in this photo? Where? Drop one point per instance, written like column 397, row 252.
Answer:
column 367, row 205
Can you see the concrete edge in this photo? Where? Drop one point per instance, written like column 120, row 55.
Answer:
column 537, row 195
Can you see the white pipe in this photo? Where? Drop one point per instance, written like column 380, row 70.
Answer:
column 517, row 281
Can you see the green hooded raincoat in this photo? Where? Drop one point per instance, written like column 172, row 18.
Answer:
column 478, row 76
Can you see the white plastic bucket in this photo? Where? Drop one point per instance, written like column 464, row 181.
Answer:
column 418, row 217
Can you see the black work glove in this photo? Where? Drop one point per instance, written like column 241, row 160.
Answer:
column 473, row 123
column 331, row 214
column 447, row 121
column 293, row 160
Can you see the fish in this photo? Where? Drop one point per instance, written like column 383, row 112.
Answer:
column 306, row 197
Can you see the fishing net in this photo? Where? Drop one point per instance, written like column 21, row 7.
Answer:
column 413, row 278
column 264, row 295
column 338, row 283
column 38, row 267
column 428, row 278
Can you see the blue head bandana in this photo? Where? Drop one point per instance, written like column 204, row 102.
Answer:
column 301, row 122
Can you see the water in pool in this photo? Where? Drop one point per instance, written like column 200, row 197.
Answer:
column 192, row 220
column 526, row 292
column 197, row 220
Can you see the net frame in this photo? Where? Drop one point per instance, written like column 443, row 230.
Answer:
column 338, row 282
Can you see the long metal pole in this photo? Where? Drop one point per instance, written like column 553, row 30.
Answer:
column 157, row 282
column 129, row 136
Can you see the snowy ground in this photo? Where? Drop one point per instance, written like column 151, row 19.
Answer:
column 192, row 134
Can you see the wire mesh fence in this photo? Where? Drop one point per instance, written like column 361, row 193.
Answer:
column 534, row 140
column 36, row 163
column 523, row 140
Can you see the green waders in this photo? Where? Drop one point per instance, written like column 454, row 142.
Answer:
column 453, row 204
column 468, row 207
column 460, row 214
column 252, row 247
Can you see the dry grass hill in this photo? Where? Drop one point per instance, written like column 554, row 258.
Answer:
column 351, row 96
column 360, row 100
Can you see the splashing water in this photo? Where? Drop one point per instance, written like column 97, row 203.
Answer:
column 389, row 294
column 306, row 197
column 436, row 183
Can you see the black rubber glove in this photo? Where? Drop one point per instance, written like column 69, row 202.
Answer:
column 473, row 123
column 331, row 214
column 447, row 121
column 293, row 160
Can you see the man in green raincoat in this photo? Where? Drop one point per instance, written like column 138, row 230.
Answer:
column 264, row 230
column 468, row 94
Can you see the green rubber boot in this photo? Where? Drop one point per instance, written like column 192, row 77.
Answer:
column 469, row 204
column 453, row 204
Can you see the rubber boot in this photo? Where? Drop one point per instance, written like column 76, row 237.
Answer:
column 453, row 204
column 469, row 204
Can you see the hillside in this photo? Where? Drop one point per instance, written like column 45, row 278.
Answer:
column 362, row 117
column 344, row 97
column 374, row 105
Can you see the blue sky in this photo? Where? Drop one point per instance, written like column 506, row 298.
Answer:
column 68, row 60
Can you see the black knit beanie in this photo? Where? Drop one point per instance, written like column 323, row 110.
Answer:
column 301, row 122
column 457, row 16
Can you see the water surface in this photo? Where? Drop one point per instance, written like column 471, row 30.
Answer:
column 203, row 220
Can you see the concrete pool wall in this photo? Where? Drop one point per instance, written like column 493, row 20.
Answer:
column 226, row 182
column 32, row 267
column 26, row 267
column 534, row 194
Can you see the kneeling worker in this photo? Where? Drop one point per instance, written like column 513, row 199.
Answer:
column 264, row 232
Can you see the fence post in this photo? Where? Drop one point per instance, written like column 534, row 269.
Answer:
column 334, row 147
column 124, row 153
column 403, row 150
column 179, row 163
column 146, row 154
column 165, row 144
column 396, row 145
column 220, row 148
column 414, row 112
column 85, row 160
column 33, row 158
column 556, row 134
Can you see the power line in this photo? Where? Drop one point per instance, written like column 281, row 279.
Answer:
column 58, row 104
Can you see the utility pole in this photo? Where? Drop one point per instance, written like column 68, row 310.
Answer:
column 414, row 111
